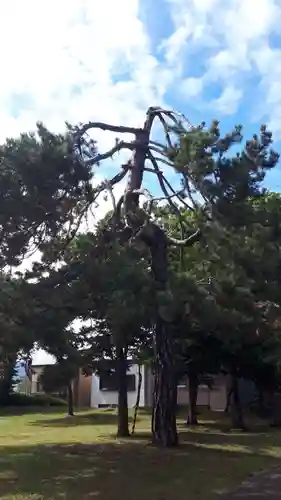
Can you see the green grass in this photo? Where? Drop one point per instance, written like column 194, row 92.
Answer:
column 49, row 456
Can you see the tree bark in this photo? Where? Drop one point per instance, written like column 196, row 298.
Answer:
column 163, row 424
column 193, row 393
column 237, row 418
column 228, row 398
column 261, row 404
column 123, row 420
column 137, row 405
column 70, row 399
column 164, row 427
column 6, row 379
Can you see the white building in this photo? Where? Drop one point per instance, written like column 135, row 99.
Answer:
column 104, row 388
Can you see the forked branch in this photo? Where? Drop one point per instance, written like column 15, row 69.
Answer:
column 187, row 242
column 108, row 154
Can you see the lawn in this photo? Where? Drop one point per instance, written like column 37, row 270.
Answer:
column 49, row 456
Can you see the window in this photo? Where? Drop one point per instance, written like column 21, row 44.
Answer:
column 108, row 382
column 131, row 382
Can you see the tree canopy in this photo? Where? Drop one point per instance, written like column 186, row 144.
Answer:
column 191, row 275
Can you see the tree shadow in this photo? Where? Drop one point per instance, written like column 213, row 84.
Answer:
column 98, row 418
column 220, row 421
column 197, row 470
column 14, row 411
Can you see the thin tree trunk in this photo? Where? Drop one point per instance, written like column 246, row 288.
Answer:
column 164, row 427
column 193, row 393
column 237, row 419
column 261, row 405
column 137, row 405
column 70, row 399
column 6, row 379
column 123, row 419
column 209, row 398
column 228, row 398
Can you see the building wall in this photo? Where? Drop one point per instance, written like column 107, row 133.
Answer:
column 215, row 398
column 83, row 391
column 35, row 385
column 108, row 398
column 81, row 387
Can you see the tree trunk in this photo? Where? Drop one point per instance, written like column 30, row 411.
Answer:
column 123, row 420
column 163, row 424
column 137, row 405
column 193, row 393
column 7, row 373
column 164, row 427
column 261, row 404
column 70, row 399
column 228, row 398
column 237, row 419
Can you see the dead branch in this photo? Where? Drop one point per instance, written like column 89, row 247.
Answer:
column 187, row 242
column 166, row 130
column 180, row 198
column 183, row 117
column 156, row 149
column 162, row 181
column 106, row 127
column 109, row 188
column 108, row 154
column 189, row 192
column 162, row 160
column 158, row 144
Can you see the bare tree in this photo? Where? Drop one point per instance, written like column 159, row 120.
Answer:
column 132, row 221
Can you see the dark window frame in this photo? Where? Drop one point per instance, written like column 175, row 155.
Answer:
column 108, row 382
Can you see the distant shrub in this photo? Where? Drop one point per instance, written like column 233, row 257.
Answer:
column 17, row 399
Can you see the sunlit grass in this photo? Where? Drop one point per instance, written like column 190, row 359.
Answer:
column 50, row 456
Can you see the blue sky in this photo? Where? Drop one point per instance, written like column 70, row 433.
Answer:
column 110, row 60
column 87, row 60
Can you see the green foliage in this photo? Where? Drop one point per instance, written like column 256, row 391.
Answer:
column 222, row 323
column 55, row 378
column 42, row 187
column 35, row 400
column 225, row 182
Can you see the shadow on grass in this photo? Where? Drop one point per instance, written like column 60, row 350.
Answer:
column 101, row 418
column 7, row 411
column 202, row 468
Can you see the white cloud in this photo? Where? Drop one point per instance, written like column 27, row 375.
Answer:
column 228, row 102
column 192, row 87
column 66, row 58
column 232, row 40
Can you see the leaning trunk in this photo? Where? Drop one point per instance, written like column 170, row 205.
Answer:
column 164, row 428
column 236, row 406
column 123, row 420
column 70, row 399
column 193, row 393
column 137, row 405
